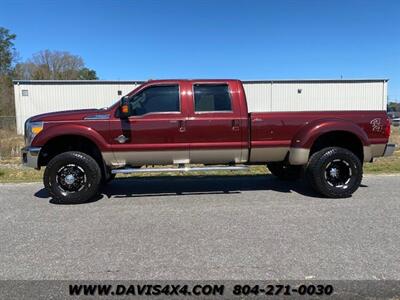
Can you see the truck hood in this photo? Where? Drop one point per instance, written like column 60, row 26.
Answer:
column 69, row 115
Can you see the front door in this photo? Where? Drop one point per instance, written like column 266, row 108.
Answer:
column 155, row 133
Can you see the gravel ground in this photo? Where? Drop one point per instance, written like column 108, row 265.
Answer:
column 243, row 227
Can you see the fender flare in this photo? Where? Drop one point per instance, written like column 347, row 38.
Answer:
column 65, row 129
column 304, row 139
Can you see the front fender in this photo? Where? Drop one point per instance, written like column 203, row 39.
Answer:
column 70, row 129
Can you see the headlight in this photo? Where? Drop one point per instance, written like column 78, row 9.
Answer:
column 31, row 130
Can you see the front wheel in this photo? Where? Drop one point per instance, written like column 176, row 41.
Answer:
column 72, row 177
column 335, row 172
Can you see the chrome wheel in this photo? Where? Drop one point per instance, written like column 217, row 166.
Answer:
column 338, row 173
column 71, row 178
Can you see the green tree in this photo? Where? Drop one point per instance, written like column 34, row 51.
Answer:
column 87, row 74
column 393, row 106
column 7, row 59
column 7, row 51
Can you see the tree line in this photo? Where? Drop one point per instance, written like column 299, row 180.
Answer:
column 44, row 65
column 393, row 106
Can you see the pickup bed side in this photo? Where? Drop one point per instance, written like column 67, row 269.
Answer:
column 292, row 135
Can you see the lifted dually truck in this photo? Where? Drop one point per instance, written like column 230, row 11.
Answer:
column 183, row 122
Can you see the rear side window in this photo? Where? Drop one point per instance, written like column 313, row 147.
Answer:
column 156, row 99
column 212, row 97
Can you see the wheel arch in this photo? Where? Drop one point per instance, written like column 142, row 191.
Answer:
column 69, row 129
column 70, row 142
column 339, row 138
column 329, row 133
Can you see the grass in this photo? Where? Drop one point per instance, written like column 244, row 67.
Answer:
column 10, row 144
column 384, row 165
column 390, row 164
column 12, row 171
column 18, row 173
column 395, row 135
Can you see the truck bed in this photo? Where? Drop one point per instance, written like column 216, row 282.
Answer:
column 274, row 133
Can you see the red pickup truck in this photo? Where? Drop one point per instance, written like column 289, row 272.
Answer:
column 206, row 122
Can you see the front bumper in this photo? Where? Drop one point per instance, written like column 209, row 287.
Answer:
column 30, row 157
column 389, row 149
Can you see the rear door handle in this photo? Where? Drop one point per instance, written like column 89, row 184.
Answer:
column 182, row 125
column 235, row 125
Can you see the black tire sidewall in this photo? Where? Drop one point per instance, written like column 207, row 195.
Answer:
column 317, row 167
column 87, row 163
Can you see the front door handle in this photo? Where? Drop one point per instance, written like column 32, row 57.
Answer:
column 235, row 125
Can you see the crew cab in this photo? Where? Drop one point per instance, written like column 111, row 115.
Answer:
column 201, row 122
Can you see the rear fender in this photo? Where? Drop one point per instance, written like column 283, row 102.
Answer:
column 307, row 135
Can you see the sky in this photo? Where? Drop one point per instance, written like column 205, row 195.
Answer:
column 140, row 40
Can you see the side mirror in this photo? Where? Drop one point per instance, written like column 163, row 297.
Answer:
column 124, row 109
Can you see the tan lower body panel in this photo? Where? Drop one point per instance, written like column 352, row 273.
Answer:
column 109, row 158
column 374, row 150
column 218, row 156
column 204, row 156
column 299, row 156
column 139, row 158
column 268, row 154
column 377, row 149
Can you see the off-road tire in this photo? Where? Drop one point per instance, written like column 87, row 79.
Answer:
column 285, row 171
column 85, row 165
column 319, row 174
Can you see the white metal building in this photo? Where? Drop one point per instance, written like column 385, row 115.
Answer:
column 34, row 97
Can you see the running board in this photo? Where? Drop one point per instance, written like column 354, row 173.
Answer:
column 181, row 169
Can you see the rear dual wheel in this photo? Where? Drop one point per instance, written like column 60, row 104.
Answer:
column 334, row 172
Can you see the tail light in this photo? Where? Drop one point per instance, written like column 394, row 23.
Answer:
column 387, row 128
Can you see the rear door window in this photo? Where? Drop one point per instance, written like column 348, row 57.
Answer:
column 212, row 98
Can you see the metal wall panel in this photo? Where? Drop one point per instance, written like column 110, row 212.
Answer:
column 43, row 98
column 258, row 96
column 327, row 96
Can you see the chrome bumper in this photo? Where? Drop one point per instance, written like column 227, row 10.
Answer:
column 30, row 157
column 390, row 148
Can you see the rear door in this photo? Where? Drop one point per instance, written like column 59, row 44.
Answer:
column 215, row 124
